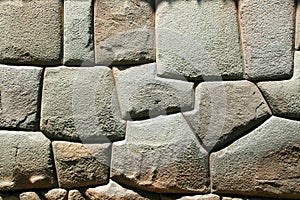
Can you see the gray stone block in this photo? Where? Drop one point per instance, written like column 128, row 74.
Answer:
column 263, row 163
column 25, row 161
column 267, row 31
column 198, row 39
column 142, row 94
column 19, row 97
column 31, row 32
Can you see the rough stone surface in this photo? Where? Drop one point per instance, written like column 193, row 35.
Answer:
column 78, row 32
column 161, row 155
column 196, row 39
column 80, row 165
column 263, row 163
column 56, row 194
column 4, row 196
column 75, row 195
column 81, row 103
column 284, row 96
column 124, row 32
column 114, row 191
column 19, row 97
column 25, row 161
column 267, row 29
column 297, row 31
column 142, row 94
column 225, row 111
column 196, row 197
column 29, row 196
column 246, row 198
column 31, row 32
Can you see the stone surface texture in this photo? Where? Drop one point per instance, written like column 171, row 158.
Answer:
column 263, row 163
column 142, row 94
column 25, row 161
column 75, row 195
column 80, row 103
column 31, row 32
column 196, row 197
column 78, row 32
column 56, row 194
column 225, row 111
column 284, row 96
column 160, row 155
column 29, row 196
column 192, row 36
column 124, row 32
column 297, row 28
column 19, row 97
column 80, row 165
column 267, row 31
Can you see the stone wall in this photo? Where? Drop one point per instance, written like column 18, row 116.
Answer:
column 144, row 99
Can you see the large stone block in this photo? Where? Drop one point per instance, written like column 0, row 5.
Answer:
column 225, row 111
column 19, row 97
column 196, row 39
column 267, row 29
column 31, row 32
column 284, row 96
column 124, row 32
column 80, row 103
column 80, row 165
column 78, row 32
column 263, row 163
column 25, row 161
column 161, row 155
column 142, row 94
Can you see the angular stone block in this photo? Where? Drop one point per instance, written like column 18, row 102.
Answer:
column 31, row 32
column 284, row 96
column 263, row 163
column 124, row 32
column 297, row 31
column 81, row 165
column 19, row 97
column 75, row 195
column 81, row 103
column 78, row 32
column 196, row 39
column 225, row 111
column 161, row 155
column 114, row 191
column 56, row 194
column 29, row 196
column 267, row 31
column 142, row 94
column 25, row 161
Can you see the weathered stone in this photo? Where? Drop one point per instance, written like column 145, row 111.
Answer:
column 196, row 197
column 161, row 155
column 284, row 96
column 25, row 161
column 81, row 103
column 114, row 191
column 198, row 39
column 19, row 97
column 142, row 94
column 297, row 31
column 80, row 165
column 263, row 163
column 75, row 195
column 225, row 111
column 56, row 194
column 246, row 198
column 124, row 32
column 267, row 31
column 6, row 196
column 78, row 32
column 31, row 32
column 29, row 196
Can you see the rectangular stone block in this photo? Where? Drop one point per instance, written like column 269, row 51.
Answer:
column 31, row 32
column 78, row 32
column 267, row 31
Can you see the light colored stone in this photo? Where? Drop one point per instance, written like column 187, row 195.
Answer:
column 19, row 97
column 81, row 165
column 284, row 96
column 29, row 196
column 31, row 32
column 267, row 31
column 114, row 191
column 198, row 39
column 75, row 195
column 196, row 197
column 81, row 103
column 297, row 31
column 124, row 32
column 78, row 32
column 225, row 111
column 142, row 94
column 25, row 161
column 161, row 155
column 263, row 163
column 56, row 194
